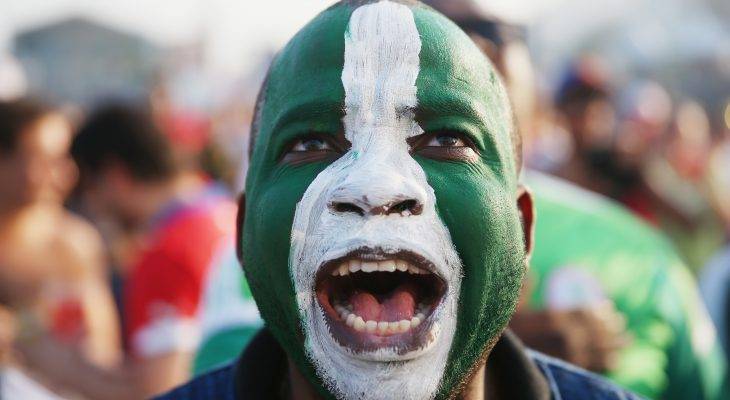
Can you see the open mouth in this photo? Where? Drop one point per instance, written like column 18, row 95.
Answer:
column 374, row 299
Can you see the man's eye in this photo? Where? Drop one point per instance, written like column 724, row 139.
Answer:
column 313, row 148
column 445, row 145
column 446, row 140
column 311, row 144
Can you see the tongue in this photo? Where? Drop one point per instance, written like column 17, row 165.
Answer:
column 397, row 305
column 365, row 305
column 400, row 305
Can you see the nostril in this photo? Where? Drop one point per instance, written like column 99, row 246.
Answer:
column 347, row 208
column 410, row 206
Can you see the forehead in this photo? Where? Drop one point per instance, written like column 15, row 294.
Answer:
column 455, row 81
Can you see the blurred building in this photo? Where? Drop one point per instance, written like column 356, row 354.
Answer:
column 77, row 60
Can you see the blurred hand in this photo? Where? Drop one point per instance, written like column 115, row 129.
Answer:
column 589, row 337
column 47, row 357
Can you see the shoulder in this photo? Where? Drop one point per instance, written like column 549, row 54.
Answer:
column 202, row 223
column 568, row 382
column 79, row 243
column 216, row 384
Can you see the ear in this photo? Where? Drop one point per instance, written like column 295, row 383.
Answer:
column 527, row 215
column 240, row 218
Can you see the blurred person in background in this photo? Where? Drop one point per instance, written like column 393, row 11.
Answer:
column 584, row 101
column 229, row 316
column 630, row 146
column 129, row 177
column 678, row 171
column 596, row 255
column 598, row 275
column 52, row 277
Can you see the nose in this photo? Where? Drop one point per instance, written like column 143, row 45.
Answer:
column 405, row 208
column 378, row 197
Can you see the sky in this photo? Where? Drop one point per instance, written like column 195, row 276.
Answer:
column 239, row 34
column 236, row 31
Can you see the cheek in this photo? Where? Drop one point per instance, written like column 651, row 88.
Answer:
column 483, row 221
column 270, row 213
column 267, row 241
column 484, row 226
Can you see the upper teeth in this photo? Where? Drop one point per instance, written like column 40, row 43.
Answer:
column 351, row 266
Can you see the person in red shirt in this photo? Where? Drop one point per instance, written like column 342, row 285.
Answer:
column 163, row 291
column 52, row 275
column 184, row 225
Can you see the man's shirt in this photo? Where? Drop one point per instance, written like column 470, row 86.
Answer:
column 261, row 373
column 164, row 293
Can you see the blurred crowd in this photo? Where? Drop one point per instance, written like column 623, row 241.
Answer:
column 118, row 272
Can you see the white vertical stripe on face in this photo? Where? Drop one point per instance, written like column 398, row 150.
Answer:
column 382, row 47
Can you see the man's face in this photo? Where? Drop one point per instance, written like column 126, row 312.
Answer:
column 39, row 168
column 112, row 197
column 382, row 240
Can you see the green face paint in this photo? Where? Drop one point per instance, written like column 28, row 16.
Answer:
column 424, row 195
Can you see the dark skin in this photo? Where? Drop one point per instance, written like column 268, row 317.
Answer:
column 438, row 145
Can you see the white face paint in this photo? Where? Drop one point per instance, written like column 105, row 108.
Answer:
column 381, row 66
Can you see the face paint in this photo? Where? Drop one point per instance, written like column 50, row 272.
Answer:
column 383, row 211
column 349, row 216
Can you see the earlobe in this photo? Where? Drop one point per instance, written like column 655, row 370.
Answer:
column 527, row 215
column 240, row 218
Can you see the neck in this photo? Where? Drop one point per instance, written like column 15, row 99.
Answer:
column 302, row 389
column 17, row 216
column 476, row 388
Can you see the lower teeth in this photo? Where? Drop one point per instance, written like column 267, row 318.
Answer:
column 381, row 327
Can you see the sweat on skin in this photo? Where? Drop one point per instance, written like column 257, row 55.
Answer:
column 382, row 131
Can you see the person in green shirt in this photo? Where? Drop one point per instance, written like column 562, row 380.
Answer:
column 589, row 250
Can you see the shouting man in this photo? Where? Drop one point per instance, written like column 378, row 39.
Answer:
column 384, row 234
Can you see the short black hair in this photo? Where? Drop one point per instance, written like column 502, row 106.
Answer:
column 125, row 134
column 15, row 117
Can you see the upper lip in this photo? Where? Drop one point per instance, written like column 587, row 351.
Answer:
column 377, row 254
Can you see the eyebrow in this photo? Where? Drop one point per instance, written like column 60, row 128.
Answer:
column 451, row 106
column 308, row 110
